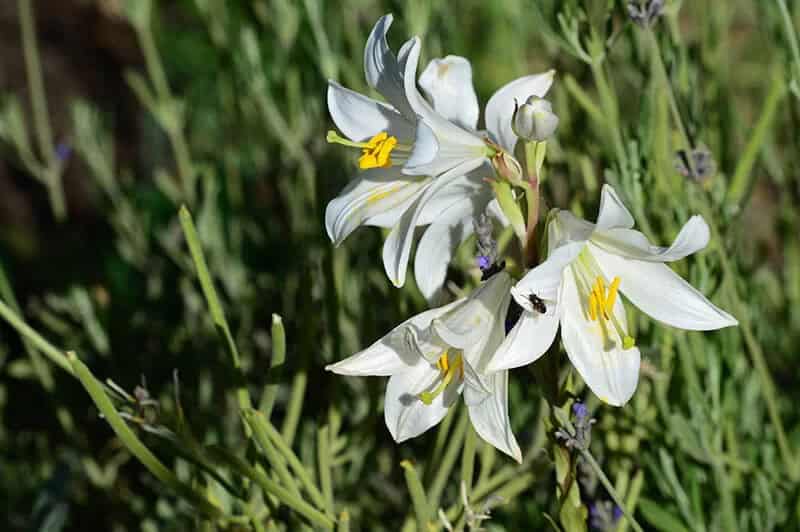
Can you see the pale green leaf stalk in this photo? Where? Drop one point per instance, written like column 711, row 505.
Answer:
column 135, row 445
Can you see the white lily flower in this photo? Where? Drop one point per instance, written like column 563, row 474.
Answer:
column 438, row 355
column 577, row 286
column 414, row 176
column 448, row 145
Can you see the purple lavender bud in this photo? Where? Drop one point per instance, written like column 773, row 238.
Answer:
column 484, row 262
column 580, row 411
column 616, row 513
column 63, row 152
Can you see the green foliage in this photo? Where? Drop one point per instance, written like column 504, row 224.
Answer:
column 220, row 322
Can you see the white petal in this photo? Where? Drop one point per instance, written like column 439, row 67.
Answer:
column 530, row 338
column 500, row 107
column 470, row 325
column 663, row 294
column 471, row 188
column 447, row 83
column 397, row 247
column 609, row 371
column 693, row 237
column 490, row 417
column 405, row 415
column 544, row 280
column 439, row 144
column 395, row 352
column 569, row 228
column 360, row 117
column 437, row 247
column 376, row 197
column 613, row 213
column 382, row 69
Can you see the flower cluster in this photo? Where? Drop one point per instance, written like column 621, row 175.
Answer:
column 423, row 162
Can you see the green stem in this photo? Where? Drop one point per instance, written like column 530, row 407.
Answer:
column 135, row 445
column 275, row 366
column 324, row 463
column 418, row 499
column 609, row 104
column 212, row 300
column 468, row 458
column 673, row 102
column 791, row 34
column 49, row 350
column 610, row 488
column 532, row 198
column 298, row 392
column 44, row 133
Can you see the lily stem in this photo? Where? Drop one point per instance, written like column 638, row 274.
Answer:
column 50, row 173
column 532, row 197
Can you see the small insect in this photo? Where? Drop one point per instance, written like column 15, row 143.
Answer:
column 497, row 267
column 538, row 304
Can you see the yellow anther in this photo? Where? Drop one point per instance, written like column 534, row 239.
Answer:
column 448, row 371
column 376, row 153
column 612, row 296
column 592, row 306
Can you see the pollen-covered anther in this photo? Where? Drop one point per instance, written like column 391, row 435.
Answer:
column 448, row 369
column 375, row 153
column 601, row 307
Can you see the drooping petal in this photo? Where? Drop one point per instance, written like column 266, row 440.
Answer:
column 378, row 196
column 447, row 82
column 661, row 293
column 490, row 416
column 530, row 338
column 394, row 353
column 439, row 144
column 544, row 281
column 397, row 247
column 383, row 71
column 693, row 237
column 613, row 213
column 405, row 414
column 437, row 247
column 470, row 325
column 471, row 188
column 360, row 117
column 500, row 107
column 611, row 372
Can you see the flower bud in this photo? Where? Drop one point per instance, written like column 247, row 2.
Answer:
column 534, row 120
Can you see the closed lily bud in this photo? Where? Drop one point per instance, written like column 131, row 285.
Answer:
column 534, row 120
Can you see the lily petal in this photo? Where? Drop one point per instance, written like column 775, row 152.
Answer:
column 530, row 338
column 396, row 352
column 447, row 83
column 693, row 237
column 376, row 197
column 397, row 247
column 609, row 371
column 439, row 144
column 490, row 417
column 500, row 107
column 544, row 280
column 360, row 117
column 383, row 71
column 613, row 213
column 661, row 293
column 405, row 415
column 438, row 245
column 470, row 325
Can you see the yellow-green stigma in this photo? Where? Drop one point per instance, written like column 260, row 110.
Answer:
column 375, row 153
column 447, row 371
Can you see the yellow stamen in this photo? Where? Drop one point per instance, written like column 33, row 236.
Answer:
column 601, row 306
column 447, row 371
column 375, row 153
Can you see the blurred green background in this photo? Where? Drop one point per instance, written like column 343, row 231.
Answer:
column 220, row 105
